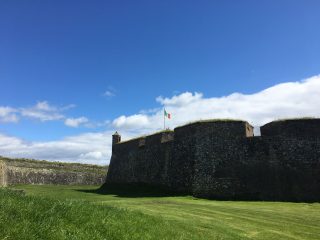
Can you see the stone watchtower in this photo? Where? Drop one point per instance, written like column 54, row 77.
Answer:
column 116, row 138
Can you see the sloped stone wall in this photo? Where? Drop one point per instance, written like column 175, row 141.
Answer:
column 3, row 175
column 17, row 171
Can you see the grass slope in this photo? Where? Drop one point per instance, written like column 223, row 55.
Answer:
column 31, row 217
column 149, row 215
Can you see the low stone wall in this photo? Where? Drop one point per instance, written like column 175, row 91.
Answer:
column 23, row 171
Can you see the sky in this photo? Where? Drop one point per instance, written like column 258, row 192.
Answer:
column 73, row 72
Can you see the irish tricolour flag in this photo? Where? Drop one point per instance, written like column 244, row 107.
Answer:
column 166, row 114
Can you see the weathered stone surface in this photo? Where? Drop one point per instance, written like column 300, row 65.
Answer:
column 293, row 128
column 135, row 162
column 222, row 160
column 19, row 171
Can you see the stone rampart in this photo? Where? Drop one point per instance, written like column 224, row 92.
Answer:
column 223, row 160
column 292, row 128
column 22, row 171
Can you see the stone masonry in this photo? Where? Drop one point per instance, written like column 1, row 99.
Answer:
column 25, row 171
column 223, row 160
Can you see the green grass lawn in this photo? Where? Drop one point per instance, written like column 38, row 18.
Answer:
column 79, row 212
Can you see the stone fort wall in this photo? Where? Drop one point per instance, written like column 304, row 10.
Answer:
column 223, row 160
column 24, row 171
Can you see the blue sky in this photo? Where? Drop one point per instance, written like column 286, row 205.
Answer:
column 73, row 68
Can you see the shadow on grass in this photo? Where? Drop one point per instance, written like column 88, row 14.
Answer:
column 132, row 191
column 143, row 190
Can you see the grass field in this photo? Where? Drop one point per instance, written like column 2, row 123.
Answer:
column 79, row 212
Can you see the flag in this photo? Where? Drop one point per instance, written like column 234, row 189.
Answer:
column 166, row 114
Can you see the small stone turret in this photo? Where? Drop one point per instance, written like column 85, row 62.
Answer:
column 116, row 138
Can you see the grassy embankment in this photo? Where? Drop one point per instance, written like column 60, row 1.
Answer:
column 70, row 212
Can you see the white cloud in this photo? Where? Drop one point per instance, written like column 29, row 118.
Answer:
column 110, row 92
column 43, row 111
column 180, row 100
column 45, row 107
column 134, row 121
column 8, row 114
column 92, row 148
column 67, row 107
column 75, row 122
column 286, row 100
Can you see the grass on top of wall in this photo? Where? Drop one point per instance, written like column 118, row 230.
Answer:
column 294, row 119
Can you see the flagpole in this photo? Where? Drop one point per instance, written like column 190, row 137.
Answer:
column 164, row 119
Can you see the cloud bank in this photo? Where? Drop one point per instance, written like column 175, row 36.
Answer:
column 286, row 100
column 92, row 148
column 43, row 112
